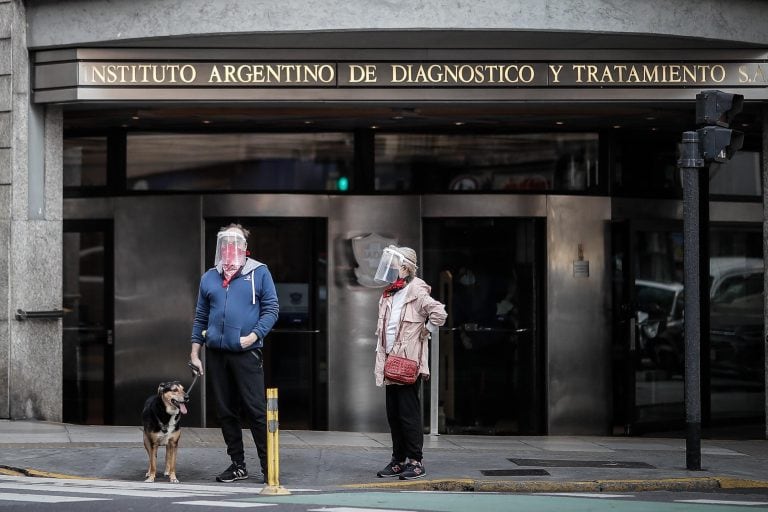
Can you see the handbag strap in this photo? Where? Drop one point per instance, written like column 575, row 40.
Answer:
column 398, row 342
column 421, row 349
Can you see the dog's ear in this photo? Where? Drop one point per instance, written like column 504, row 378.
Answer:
column 161, row 388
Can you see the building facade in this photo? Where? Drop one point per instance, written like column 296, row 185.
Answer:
column 527, row 150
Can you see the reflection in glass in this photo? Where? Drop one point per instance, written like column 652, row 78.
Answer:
column 85, row 161
column 510, row 162
column 739, row 176
column 736, row 352
column 240, row 161
column 735, row 345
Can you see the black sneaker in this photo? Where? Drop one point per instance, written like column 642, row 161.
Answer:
column 413, row 470
column 394, row 468
column 233, row 472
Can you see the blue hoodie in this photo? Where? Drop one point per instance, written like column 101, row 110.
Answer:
column 248, row 304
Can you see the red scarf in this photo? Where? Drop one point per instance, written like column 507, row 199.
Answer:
column 228, row 272
column 394, row 287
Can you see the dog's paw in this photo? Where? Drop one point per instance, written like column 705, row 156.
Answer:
column 173, row 479
column 150, row 479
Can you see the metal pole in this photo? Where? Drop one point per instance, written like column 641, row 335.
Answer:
column 434, row 384
column 273, row 487
column 691, row 166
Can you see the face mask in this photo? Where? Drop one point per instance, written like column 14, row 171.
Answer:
column 230, row 249
column 390, row 264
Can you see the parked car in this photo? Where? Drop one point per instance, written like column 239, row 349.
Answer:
column 736, row 320
column 659, row 316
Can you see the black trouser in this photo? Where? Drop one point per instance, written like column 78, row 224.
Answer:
column 405, row 424
column 237, row 381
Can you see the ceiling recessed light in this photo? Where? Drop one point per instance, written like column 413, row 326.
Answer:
column 206, row 121
column 617, row 126
column 459, row 123
column 135, row 118
column 308, row 122
column 650, row 118
column 745, row 124
column 374, row 127
column 560, row 123
column 397, row 118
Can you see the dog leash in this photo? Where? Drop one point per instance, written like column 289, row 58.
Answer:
column 196, row 373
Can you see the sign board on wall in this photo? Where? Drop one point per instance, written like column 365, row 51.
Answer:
column 162, row 74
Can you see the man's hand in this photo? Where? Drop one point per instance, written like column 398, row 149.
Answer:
column 194, row 357
column 197, row 362
column 247, row 341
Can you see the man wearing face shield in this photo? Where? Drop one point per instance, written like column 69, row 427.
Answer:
column 236, row 308
column 407, row 315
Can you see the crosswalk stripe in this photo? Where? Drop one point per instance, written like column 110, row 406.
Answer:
column 355, row 509
column 725, row 502
column 585, row 494
column 45, row 498
column 220, row 489
column 230, row 504
column 111, row 491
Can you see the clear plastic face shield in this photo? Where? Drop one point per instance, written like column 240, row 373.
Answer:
column 390, row 264
column 230, row 249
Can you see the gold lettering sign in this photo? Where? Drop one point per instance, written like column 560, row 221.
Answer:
column 422, row 74
column 208, row 74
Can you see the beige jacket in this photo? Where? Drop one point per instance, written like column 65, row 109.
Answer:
column 417, row 308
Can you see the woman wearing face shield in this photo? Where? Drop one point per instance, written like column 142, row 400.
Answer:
column 407, row 315
column 236, row 308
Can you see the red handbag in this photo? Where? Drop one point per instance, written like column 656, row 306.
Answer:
column 401, row 369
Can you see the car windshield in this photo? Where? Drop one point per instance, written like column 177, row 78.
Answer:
column 740, row 291
column 652, row 299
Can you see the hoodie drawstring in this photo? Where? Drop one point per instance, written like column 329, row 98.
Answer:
column 253, row 287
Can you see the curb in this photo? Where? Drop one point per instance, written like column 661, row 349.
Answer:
column 14, row 471
column 534, row 486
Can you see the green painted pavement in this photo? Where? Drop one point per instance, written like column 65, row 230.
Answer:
column 468, row 502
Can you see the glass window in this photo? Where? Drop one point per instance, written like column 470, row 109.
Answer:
column 85, row 161
column 736, row 376
column 240, row 161
column 645, row 164
column 739, row 176
column 486, row 162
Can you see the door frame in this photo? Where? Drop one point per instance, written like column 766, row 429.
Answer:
column 105, row 226
column 444, row 206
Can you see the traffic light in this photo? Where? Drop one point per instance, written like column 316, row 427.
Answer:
column 715, row 111
column 719, row 144
column 342, row 184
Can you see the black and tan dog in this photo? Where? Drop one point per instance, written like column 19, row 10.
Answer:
column 161, row 418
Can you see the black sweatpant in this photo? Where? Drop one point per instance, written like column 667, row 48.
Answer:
column 237, row 383
column 405, row 423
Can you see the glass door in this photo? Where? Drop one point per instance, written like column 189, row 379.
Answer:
column 88, row 357
column 649, row 348
column 296, row 351
column 649, row 331
column 489, row 273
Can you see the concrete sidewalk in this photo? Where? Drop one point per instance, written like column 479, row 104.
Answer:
column 344, row 459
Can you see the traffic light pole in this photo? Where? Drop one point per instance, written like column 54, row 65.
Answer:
column 695, row 193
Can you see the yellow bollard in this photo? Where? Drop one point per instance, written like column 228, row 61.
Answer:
column 273, row 487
